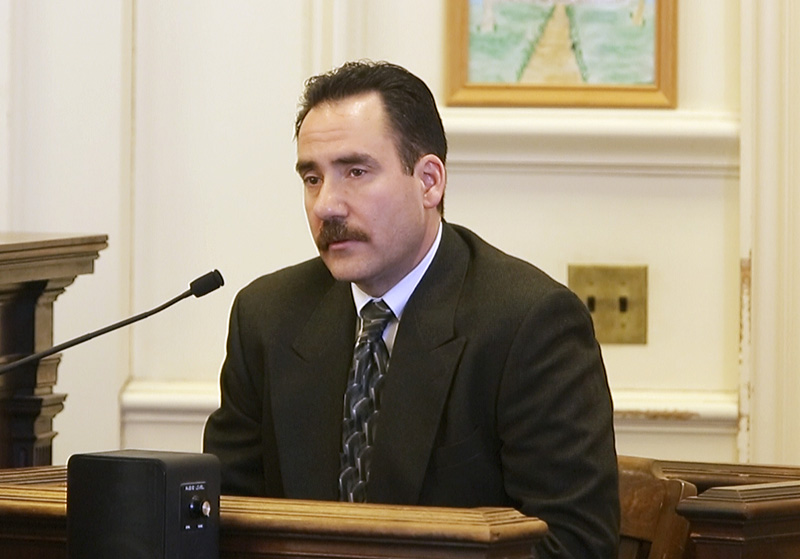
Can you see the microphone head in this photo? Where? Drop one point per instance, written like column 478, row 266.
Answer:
column 206, row 283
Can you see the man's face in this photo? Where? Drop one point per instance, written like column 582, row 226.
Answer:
column 371, row 221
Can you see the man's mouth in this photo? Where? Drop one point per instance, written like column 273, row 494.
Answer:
column 335, row 232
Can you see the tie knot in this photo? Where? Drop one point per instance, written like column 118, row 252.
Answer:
column 374, row 317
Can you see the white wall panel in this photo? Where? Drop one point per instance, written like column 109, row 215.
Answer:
column 216, row 92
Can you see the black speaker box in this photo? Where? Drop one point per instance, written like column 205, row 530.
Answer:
column 139, row 504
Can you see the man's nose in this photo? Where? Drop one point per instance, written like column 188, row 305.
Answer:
column 329, row 201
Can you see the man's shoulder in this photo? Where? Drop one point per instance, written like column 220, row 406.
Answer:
column 310, row 270
column 288, row 286
column 498, row 285
column 494, row 267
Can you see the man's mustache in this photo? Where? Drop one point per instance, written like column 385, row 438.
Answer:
column 335, row 231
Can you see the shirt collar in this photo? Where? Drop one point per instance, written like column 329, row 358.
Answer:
column 397, row 297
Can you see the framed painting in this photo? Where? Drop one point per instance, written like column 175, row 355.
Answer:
column 567, row 53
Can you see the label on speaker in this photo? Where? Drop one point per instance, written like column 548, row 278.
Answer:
column 196, row 506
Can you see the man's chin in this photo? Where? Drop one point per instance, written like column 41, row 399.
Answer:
column 341, row 267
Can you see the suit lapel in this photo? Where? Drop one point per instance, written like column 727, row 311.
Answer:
column 307, row 393
column 421, row 369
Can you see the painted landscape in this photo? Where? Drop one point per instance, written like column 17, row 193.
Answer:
column 562, row 42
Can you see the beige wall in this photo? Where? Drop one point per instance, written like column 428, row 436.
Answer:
column 66, row 93
column 167, row 125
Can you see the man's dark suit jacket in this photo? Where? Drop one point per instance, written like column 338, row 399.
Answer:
column 496, row 395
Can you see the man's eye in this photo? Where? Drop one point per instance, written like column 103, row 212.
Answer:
column 311, row 180
column 357, row 172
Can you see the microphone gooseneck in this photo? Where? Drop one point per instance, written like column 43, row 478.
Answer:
column 203, row 285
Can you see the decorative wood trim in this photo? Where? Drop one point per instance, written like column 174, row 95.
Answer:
column 603, row 142
column 705, row 475
column 35, row 256
column 754, row 521
column 34, row 270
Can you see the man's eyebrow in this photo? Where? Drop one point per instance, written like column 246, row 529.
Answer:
column 356, row 159
column 304, row 166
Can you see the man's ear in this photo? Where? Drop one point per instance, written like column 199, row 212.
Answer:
column 432, row 174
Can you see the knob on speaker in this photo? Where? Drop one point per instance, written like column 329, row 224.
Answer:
column 200, row 507
column 138, row 504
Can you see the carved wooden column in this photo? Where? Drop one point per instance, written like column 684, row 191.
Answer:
column 34, row 270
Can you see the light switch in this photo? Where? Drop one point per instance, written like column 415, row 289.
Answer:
column 616, row 297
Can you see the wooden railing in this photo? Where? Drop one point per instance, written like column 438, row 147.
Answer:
column 760, row 521
column 33, row 525
column 742, row 511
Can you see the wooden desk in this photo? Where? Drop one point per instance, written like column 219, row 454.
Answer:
column 34, row 270
column 33, row 525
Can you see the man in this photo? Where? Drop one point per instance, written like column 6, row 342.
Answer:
column 495, row 393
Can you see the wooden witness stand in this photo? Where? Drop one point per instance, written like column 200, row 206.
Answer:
column 742, row 512
column 33, row 525
column 754, row 514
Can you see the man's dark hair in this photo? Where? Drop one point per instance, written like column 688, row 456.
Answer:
column 408, row 102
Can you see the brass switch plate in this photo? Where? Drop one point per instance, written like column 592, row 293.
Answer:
column 617, row 299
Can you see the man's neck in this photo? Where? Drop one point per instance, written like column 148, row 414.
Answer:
column 399, row 294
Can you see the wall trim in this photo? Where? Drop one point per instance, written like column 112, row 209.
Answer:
column 144, row 401
column 609, row 142
column 155, row 402
column 676, row 411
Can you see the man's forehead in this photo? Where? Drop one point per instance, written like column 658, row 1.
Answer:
column 360, row 108
column 356, row 123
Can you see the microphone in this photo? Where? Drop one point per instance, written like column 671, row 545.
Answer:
column 203, row 285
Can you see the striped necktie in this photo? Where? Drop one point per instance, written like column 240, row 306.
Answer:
column 362, row 401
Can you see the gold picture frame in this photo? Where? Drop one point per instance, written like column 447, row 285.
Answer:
column 480, row 73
